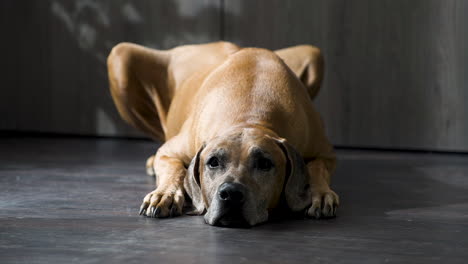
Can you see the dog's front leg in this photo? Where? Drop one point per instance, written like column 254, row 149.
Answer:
column 324, row 200
column 167, row 200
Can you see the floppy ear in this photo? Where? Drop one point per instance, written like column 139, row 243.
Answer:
column 192, row 185
column 297, row 188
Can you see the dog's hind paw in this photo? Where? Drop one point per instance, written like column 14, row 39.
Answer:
column 324, row 205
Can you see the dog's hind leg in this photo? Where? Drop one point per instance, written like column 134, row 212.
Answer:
column 139, row 84
column 306, row 61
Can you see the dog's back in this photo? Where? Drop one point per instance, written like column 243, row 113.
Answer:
column 252, row 86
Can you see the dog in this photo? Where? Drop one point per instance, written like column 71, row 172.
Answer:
column 241, row 133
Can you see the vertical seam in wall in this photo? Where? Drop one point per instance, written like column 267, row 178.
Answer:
column 221, row 19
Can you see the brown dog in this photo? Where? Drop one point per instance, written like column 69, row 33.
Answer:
column 239, row 126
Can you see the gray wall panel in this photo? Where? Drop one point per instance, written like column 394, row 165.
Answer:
column 395, row 70
column 56, row 79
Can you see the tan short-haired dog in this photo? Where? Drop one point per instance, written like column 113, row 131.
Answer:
column 241, row 133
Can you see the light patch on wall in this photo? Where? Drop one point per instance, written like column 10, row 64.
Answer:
column 60, row 12
column 99, row 12
column 132, row 15
column 183, row 37
column 86, row 36
column 192, row 8
column 104, row 125
column 234, row 7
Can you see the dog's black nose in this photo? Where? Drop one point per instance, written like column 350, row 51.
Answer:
column 232, row 193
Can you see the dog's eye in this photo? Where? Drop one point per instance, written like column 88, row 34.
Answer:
column 264, row 164
column 213, row 162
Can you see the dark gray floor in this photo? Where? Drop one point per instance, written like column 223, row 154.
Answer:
column 76, row 201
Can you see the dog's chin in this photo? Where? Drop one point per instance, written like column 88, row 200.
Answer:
column 231, row 218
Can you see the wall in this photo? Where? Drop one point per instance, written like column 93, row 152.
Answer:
column 396, row 70
column 55, row 52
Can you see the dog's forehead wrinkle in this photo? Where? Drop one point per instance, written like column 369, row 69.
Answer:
column 226, row 141
column 257, row 151
column 221, row 152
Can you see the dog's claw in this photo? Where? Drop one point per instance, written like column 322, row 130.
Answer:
column 156, row 212
column 143, row 208
column 317, row 212
column 150, row 212
column 324, row 205
column 160, row 204
column 327, row 210
column 173, row 211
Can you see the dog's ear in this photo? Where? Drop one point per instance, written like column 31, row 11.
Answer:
column 297, row 188
column 192, row 185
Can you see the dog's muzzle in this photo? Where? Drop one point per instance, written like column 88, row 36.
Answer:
column 231, row 198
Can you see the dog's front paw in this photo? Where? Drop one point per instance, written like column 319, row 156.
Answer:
column 163, row 202
column 324, row 204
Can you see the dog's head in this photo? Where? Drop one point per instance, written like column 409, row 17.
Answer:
column 238, row 177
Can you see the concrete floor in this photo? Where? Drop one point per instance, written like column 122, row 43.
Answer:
column 72, row 200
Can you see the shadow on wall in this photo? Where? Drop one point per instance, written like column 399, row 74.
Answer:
column 86, row 32
column 96, row 24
